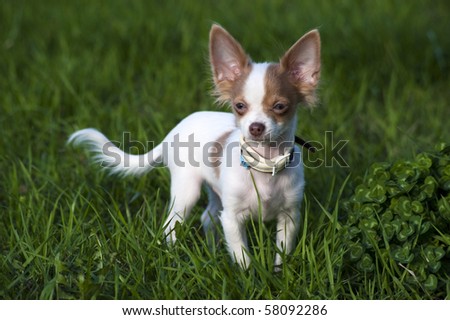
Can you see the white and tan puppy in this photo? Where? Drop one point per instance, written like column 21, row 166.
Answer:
column 247, row 159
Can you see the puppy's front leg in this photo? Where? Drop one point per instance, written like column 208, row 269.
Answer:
column 235, row 235
column 287, row 229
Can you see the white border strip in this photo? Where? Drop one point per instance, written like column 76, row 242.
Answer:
column 229, row 309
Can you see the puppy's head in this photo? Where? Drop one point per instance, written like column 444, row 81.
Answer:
column 264, row 96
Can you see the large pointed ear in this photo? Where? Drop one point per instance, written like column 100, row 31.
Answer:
column 229, row 61
column 302, row 62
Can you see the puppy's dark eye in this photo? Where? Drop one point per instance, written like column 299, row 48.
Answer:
column 240, row 107
column 279, row 107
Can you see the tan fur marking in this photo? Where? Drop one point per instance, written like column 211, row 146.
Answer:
column 226, row 91
column 280, row 90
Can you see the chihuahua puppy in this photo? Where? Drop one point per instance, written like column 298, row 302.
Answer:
column 247, row 159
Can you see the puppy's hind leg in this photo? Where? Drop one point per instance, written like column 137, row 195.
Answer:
column 185, row 191
column 211, row 216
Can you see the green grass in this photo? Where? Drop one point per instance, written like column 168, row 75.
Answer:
column 69, row 231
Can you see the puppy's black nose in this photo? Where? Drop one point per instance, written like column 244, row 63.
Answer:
column 257, row 129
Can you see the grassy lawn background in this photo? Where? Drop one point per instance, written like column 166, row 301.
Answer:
column 69, row 231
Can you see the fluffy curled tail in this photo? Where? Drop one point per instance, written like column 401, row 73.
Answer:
column 108, row 156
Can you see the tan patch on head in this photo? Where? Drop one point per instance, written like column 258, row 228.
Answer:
column 280, row 90
column 216, row 156
column 226, row 91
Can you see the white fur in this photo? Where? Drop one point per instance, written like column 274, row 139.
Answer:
column 236, row 194
column 254, row 91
